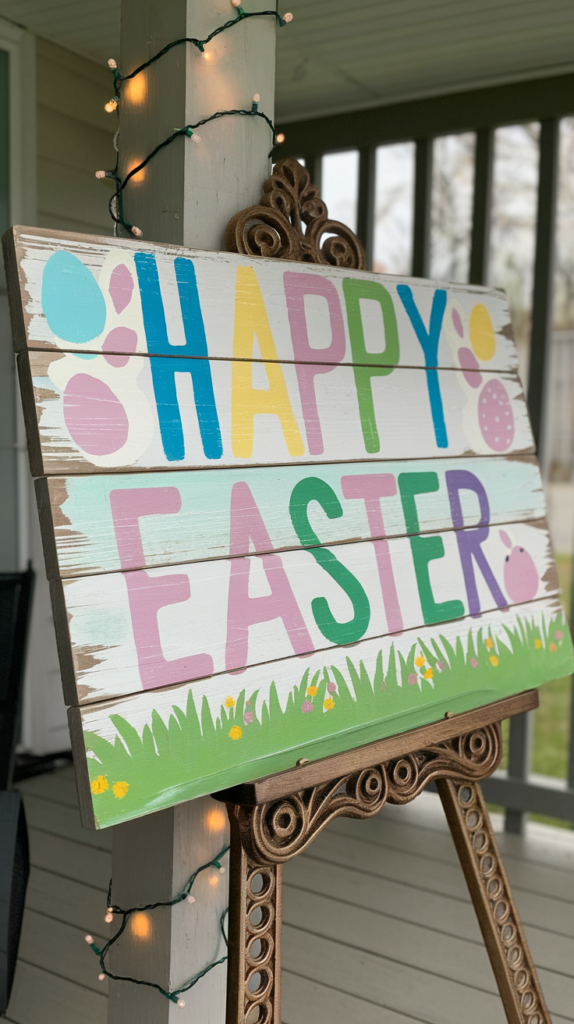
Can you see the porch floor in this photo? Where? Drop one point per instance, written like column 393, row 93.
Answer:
column 378, row 925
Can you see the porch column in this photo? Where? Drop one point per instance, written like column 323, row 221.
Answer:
column 185, row 196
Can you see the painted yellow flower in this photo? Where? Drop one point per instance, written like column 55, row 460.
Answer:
column 489, row 643
column 537, row 645
column 428, row 673
column 100, row 784
column 234, row 733
column 311, row 691
column 493, row 660
column 328, row 704
column 552, row 647
column 419, row 662
column 229, row 702
column 120, row 789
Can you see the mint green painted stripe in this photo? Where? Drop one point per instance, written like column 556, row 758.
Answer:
column 85, row 539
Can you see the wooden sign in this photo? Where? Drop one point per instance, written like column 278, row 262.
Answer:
column 286, row 509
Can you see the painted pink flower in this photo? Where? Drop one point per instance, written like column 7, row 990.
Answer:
column 248, row 717
column 474, row 662
column 558, row 635
column 331, row 688
column 306, row 706
column 440, row 665
column 412, row 680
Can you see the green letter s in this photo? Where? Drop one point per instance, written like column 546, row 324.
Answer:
column 314, row 489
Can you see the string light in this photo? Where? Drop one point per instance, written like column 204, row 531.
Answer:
column 116, row 206
column 138, row 915
column 280, row 138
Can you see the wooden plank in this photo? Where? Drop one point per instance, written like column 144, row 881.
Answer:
column 130, row 631
column 406, row 868
column 390, row 835
column 45, row 816
column 39, row 995
column 390, row 983
column 51, row 786
column 324, row 1003
column 415, row 902
column 352, row 316
column 79, row 528
column 94, row 416
column 58, row 947
column 76, row 861
column 363, row 704
column 81, row 905
column 442, row 955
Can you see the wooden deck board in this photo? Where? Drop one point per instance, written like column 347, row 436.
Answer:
column 378, row 922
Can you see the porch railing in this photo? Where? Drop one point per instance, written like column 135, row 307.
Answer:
column 545, row 100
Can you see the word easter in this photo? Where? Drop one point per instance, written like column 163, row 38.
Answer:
column 286, row 509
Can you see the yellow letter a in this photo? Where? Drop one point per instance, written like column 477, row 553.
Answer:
column 247, row 401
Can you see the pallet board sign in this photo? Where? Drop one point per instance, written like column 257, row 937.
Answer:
column 287, row 509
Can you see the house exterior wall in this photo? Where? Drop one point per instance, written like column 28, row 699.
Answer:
column 74, row 140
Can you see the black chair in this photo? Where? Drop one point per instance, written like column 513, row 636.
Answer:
column 15, row 604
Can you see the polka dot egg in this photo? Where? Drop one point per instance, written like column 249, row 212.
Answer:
column 495, row 416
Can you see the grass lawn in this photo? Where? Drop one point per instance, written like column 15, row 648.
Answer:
column 552, row 719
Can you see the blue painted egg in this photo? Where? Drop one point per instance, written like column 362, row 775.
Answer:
column 72, row 300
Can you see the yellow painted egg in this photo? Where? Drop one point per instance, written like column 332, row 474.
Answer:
column 482, row 336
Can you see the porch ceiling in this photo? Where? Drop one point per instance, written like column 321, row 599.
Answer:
column 338, row 56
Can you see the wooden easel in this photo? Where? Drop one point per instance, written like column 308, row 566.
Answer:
column 274, row 819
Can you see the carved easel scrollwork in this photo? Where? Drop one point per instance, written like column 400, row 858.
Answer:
column 273, row 820
column 290, row 223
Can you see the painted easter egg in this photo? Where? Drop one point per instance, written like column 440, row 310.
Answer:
column 95, row 418
column 495, row 416
column 119, row 340
column 121, row 287
column 520, row 576
column 72, row 300
column 469, row 364
column 481, row 331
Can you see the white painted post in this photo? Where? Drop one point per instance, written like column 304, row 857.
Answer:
column 186, row 196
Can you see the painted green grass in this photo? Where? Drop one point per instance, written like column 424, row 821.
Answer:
column 325, row 713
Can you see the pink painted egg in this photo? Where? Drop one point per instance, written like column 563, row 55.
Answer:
column 457, row 323
column 121, row 287
column 520, row 576
column 119, row 339
column 95, row 418
column 469, row 364
column 495, row 416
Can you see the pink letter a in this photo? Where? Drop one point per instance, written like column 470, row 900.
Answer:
column 244, row 611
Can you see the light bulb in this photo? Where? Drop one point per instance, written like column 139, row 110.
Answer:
column 112, row 63
column 191, row 899
column 111, row 105
column 89, row 939
column 207, row 56
column 101, row 977
column 236, row 3
column 288, row 17
column 280, row 138
column 137, row 232
column 108, row 918
column 195, row 138
column 181, row 1003
column 256, row 97
column 100, row 174
column 222, row 871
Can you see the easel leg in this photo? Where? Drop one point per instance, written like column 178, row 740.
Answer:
column 254, row 967
column 484, row 871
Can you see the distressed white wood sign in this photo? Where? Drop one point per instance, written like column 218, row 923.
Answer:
column 286, row 509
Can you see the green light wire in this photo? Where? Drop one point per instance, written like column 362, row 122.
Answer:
column 116, row 205
column 176, row 993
